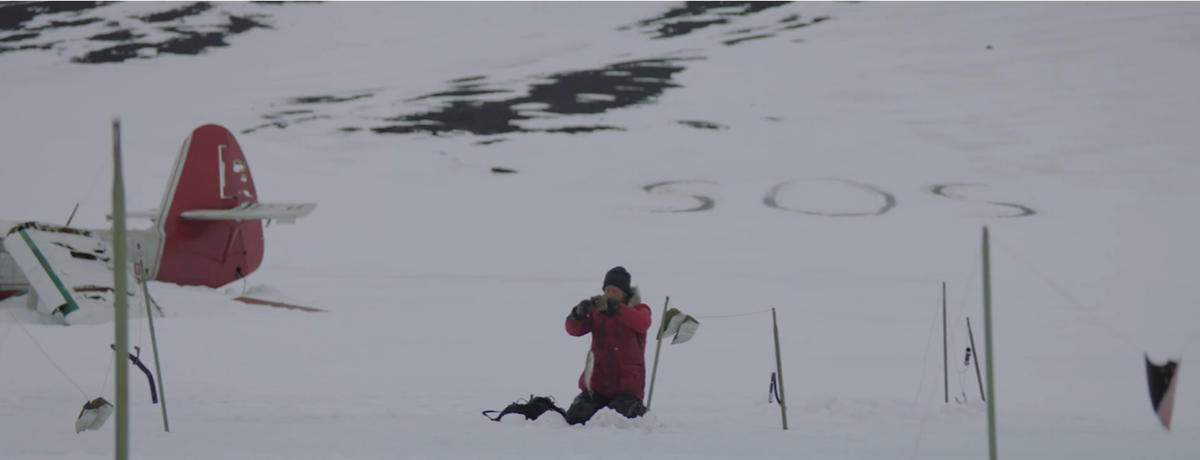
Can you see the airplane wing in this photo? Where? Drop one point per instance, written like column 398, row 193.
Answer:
column 151, row 214
column 70, row 271
column 285, row 213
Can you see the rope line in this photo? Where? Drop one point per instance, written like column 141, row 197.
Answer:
column 1189, row 343
column 110, row 368
column 953, row 332
column 962, row 379
column 98, row 173
column 4, row 335
column 924, row 363
column 39, row 347
column 921, row 429
column 734, row 315
column 1077, row 304
column 142, row 329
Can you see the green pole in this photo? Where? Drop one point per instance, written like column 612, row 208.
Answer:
column 121, row 304
column 987, row 343
column 945, row 349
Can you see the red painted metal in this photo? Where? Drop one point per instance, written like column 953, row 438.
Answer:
column 202, row 252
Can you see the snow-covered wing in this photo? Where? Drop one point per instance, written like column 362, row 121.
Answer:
column 286, row 213
column 53, row 295
column 70, row 270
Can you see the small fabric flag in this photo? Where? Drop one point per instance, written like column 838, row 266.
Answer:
column 93, row 415
column 677, row 324
column 1162, row 380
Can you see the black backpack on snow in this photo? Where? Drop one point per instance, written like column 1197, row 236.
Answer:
column 532, row 408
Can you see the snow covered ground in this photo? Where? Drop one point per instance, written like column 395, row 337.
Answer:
column 446, row 285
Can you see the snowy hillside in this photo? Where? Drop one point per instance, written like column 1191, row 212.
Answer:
column 834, row 161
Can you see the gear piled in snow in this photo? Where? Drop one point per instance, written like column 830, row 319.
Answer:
column 532, row 408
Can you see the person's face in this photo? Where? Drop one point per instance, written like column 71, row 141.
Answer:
column 614, row 293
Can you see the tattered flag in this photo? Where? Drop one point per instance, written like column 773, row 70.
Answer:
column 1162, row 379
column 93, row 415
column 677, row 324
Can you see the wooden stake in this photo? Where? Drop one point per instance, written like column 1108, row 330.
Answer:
column 69, row 219
column 657, row 350
column 975, row 351
column 162, row 392
column 779, row 370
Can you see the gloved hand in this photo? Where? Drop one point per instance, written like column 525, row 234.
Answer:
column 610, row 306
column 582, row 310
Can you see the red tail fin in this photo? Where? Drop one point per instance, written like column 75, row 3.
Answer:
column 210, row 174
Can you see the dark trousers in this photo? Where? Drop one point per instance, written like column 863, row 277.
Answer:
column 586, row 405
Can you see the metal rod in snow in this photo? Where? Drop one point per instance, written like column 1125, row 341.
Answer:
column 121, row 306
column 978, row 376
column 779, row 370
column 162, row 392
column 657, row 350
column 945, row 352
column 69, row 219
column 987, row 344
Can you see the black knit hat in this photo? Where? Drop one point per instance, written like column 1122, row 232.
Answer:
column 620, row 278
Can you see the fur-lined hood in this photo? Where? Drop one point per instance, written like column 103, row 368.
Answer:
column 635, row 296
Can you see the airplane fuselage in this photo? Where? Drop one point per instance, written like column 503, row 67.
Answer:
column 142, row 250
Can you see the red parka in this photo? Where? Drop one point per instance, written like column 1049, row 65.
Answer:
column 617, row 361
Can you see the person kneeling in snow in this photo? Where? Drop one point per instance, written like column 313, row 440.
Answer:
column 615, row 375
